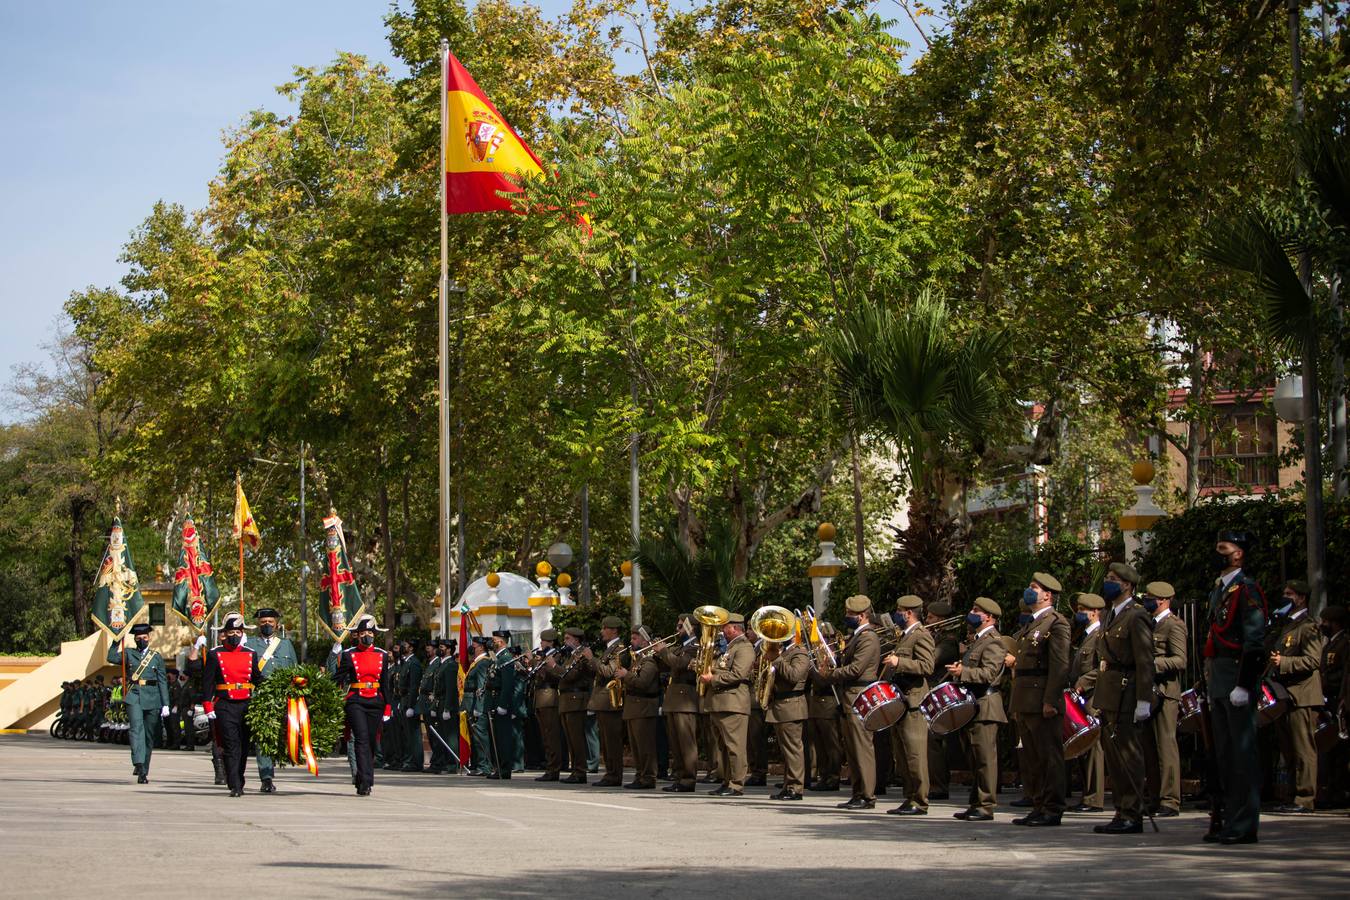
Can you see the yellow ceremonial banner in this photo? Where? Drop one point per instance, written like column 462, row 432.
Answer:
column 245, row 529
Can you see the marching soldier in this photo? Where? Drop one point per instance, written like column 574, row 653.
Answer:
column 428, row 692
column 546, row 704
column 1234, row 660
column 230, row 674
column 608, row 717
column 1040, row 677
column 1161, row 754
column 366, row 671
column 274, row 653
column 908, row 666
column 787, row 713
column 499, row 706
column 980, row 670
column 1335, row 646
column 472, row 702
column 146, row 695
column 1083, row 672
column 1123, row 696
column 681, row 708
column 858, row 667
column 574, row 694
column 1294, row 646
column 641, row 707
column 946, row 650
column 728, row 702
column 823, row 728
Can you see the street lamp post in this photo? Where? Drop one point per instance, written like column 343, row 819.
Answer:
column 1292, row 406
column 304, row 557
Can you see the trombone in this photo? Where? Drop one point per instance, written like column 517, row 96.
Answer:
column 822, row 654
column 775, row 625
column 641, row 652
column 710, row 618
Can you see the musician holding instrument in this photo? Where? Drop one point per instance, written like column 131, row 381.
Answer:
column 728, row 702
column 574, row 694
column 1040, row 677
column 858, row 667
column 675, row 656
column 1335, row 649
column 641, row 707
column 1083, row 670
column 822, row 727
column 980, row 670
column 946, row 650
column 1294, row 649
column 607, row 699
column 780, row 688
column 908, row 666
column 545, row 699
column 1162, row 756
column 1124, row 695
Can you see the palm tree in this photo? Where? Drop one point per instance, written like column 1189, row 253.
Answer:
column 910, row 379
column 681, row 580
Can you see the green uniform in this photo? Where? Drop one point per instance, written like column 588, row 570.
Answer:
column 474, row 703
column 283, row 657
column 447, row 704
column 146, row 696
column 391, row 751
column 500, row 700
column 426, row 691
column 409, row 684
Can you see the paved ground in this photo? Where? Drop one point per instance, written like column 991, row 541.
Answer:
column 73, row 822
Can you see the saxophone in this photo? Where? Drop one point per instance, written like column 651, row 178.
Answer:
column 615, row 686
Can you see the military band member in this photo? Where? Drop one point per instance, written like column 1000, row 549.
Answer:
column 499, row 707
column 728, row 703
column 980, row 670
column 274, row 653
column 546, row 703
column 574, row 694
column 1083, row 672
column 1234, row 661
column 823, row 727
column 366, row 672
column 641, row 707
column 146, row 696
column 756, row 731
column 474, row 703
column 681, row 707
column 1124, row 696
column 608, row 717
column 946, row 650
column 858, row 667
column 1161, row 754
column 1040, row 677
column 787, row 713
column 908, row 667
column 1294, row 645
column 1335, row 765
column 230, row 674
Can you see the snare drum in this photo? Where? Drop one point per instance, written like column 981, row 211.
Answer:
column 1081, row 728
column 1188, row 714
column 947, row 708
column 880, row 706
column 1274, row 703
column 1328, row 733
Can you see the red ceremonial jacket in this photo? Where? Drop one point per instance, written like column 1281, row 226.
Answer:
column 365, row 672
column 237, row 668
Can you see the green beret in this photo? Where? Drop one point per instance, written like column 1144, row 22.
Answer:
column 1125, row 572
column 941, row 610
column 548, row 634
column 1047, row 581
column 984, row 604
column 735, row 619
column 858, row 603
column 1299, row 587
column 1090, row 601
column 909, row 601
column 612, row 622
column 575, row 632
column 1160, row 589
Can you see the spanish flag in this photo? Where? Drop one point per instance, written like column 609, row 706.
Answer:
column 245, row 529
column 483, row 153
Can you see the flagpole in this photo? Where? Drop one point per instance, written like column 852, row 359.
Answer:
column 443, row 337
column 238, row 490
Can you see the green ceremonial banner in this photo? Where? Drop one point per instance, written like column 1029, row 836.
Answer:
column 341, row 604
column 118, row 603
column 195, row 594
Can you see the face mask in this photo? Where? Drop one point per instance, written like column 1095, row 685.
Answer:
column 851, row 622
column 1110, row 591
column 367, row 640
column 142, row 643
column 267, row 630
column 1151, row 604
column 974, row 620
column 1081, row 618
column 898, row 618
column 1283, row 611
column 233, row 640
column 1030, row 597
column 1218, row 561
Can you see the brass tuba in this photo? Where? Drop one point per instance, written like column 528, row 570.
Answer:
column 711, row 618
column 775, row 626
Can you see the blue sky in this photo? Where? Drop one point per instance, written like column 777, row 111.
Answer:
column 109, row 107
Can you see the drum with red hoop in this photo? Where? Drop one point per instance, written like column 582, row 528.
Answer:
column 1080, row 727
column 1273, row 704
column 880, row 706
column 1188, row 713
column 948, row 707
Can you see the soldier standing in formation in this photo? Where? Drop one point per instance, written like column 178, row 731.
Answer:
column 1123, row 696
column 909, row 665
column 274, row 653
column 427, row 700
column 146, row 695
column 411, row 709
column 641, row 708
column 1294, row 649
column 681, row 708
column 787, row 713
column 474, row 703
column 858, row 667
column 946, row 650
column 608, row 717
column 1083, row 678
column 1335, row 766
column 1161, row 754
column 574, row 695
column 546, row 703
column 980, row 670
column 728, row 703
column 1040, row 677
column 499, row 706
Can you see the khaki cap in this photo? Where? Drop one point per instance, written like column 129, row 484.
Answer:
column 858, row 603
column 1125, row 571
column 1090, row 601
column 941, row 609
column 548, row 634
column 1160, row 589
column 1047, row 581
column 984, row 604
column 611, row 622
column 575, row 632
column 735, row 619
column 909, row 601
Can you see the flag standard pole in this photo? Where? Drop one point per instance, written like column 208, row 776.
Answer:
column 238, row 492
column 443, row 337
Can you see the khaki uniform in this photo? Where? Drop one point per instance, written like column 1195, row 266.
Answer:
column 787, row 713
column 728, row 702
column 858, row 667
column 1299, row 643
column 1124, row 676
column 822, row 730
column 1040, row 677
column 608, row 718
column 1333, row 764
column 681, row 709
column 1083, row 678
column 641, row 707
column 574, row 694
column 909, row 736
column 1161, row 756
column 546, row 714
column 946, row 650
column 981, row 673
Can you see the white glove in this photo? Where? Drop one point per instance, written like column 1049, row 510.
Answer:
column 1239, row 696
column 501, row 710
column 174, row 710
column 445, row 717
column 1141, row 710
column 337, row 647
column 211, row 715
column 384, row 718
column 201, row 641
column 163, row 712
column 409, row 713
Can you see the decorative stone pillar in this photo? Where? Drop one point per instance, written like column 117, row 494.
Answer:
column 565, row 590
column 542, row 602
column 824, row 569
column 1137, row 521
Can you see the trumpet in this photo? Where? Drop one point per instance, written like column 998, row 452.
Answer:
column 641, row 652
column 775, row 626
column 710, row 618
column 945, row 623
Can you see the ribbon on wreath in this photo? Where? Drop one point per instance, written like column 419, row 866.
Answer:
column 297, row 730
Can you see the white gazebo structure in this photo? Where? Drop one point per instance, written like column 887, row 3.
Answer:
column 506, row 601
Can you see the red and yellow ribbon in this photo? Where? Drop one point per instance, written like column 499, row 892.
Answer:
column 297, row 731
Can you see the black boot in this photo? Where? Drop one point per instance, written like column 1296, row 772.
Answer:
column 220, row 771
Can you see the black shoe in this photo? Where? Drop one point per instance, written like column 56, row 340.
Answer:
column 1043, row 821
column 235, row 792
column 268, row 787
column 719, row 791
column 1027, row 819
column 1248, row 838
column 1024, row 803
column 1084, row 808
column 825, row 786
column 606, row 783
column 708, row 779
column 1121, row 826
column 547, row 777
column 1166, row 812
column 574, row 779
column 137, row 769
column 363, row 792
column 756, row 781
column 494, row 776
column 907, row 809
column 639, row 786
column 678, row 789
column 733, row 793
column 1292, row 809
column 142, row 778
column 785, row 794
column 858, row 803
column 940, row 795
column 978, row 815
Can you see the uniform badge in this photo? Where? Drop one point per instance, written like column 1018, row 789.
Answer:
column 1288, row 640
